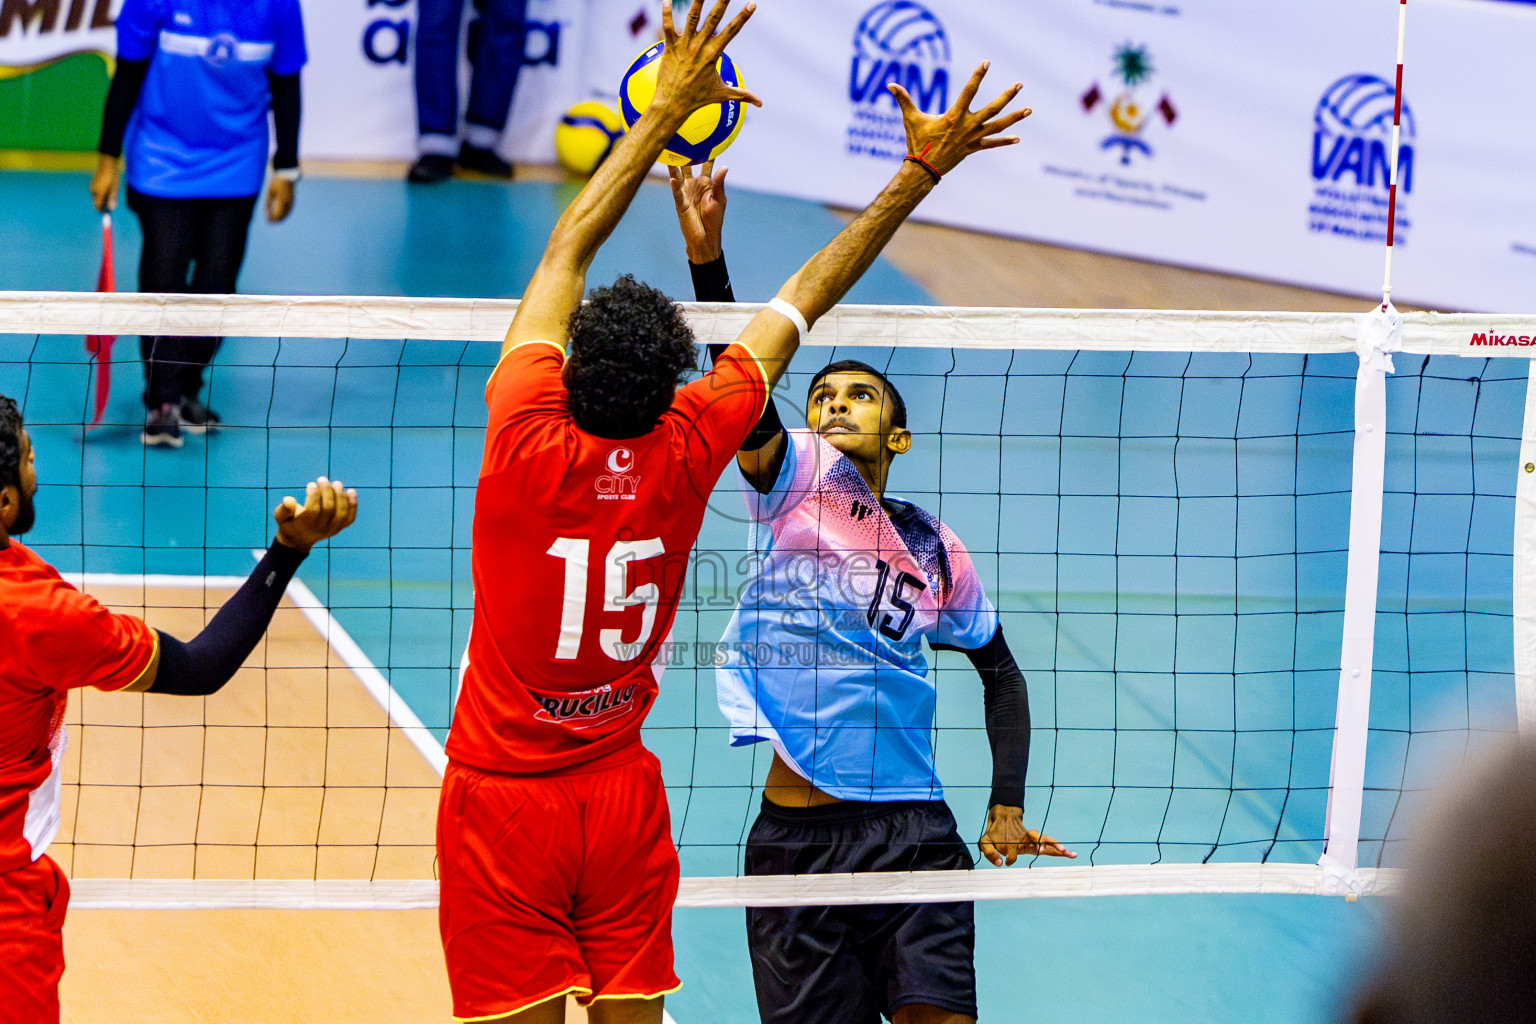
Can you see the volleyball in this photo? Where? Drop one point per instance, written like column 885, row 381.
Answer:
column 586, row 135
column 707, row 132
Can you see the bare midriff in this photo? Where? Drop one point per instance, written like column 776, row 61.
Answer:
column 787, row 788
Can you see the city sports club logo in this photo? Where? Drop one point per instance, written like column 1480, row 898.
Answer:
column 620, row 483
column 1351, row 160
column 1129, row 112
column 897, row 42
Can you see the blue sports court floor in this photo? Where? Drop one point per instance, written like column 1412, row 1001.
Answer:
column 401, row 421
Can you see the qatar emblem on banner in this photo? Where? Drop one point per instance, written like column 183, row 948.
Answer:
column 1129, row 113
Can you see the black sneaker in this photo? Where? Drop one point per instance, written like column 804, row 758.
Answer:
column 430, row 168
column 197, row 418
column 483, row 161
column 162, row 427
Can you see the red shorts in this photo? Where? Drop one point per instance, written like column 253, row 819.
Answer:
column 555, row 884
column 32, row 904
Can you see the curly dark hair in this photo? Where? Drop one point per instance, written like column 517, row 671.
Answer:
column 630, row 347
column 10, row 443
column 898, row 404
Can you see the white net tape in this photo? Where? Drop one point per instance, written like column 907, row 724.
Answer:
column 1372, row 335
column 392, row 318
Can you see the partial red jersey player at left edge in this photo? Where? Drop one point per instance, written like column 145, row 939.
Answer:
column 53, row 639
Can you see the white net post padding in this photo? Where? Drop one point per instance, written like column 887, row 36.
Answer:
column 899, row 327
column 1525, row 573
column 1378, row 334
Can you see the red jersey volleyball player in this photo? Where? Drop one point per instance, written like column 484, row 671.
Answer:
column 54, row 639
column 556, row 862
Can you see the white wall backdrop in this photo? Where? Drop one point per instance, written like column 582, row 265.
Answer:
column 1236, row 135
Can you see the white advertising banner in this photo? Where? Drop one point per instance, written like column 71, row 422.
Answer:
column 1245, row 137
column 1241, row 136
column 359, row 93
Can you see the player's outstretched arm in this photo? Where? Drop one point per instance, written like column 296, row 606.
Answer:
column 701, row 202
column 937, row 144
column 208, row 661
column 1005, row 697
column 686, row 79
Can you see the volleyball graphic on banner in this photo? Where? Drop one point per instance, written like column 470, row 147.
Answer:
column 706, row 134
column 1351, row 160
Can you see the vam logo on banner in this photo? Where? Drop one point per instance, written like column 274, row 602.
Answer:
column 898, row 42
column 1351, row 162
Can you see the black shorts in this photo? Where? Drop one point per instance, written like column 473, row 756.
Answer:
column 850, row 964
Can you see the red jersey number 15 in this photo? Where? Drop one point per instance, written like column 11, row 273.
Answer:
column 616, row 595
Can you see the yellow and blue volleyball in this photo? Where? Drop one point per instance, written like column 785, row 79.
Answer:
column 708, row 130
column 586, row 135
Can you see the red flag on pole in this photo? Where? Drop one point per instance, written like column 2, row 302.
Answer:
column 100, row 345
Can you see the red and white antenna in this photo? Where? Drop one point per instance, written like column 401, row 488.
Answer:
column 1397, row 119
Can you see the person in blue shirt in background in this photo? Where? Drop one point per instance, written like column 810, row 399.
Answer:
column 194, row 83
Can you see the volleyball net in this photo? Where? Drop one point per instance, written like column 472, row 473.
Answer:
column 1264, row 591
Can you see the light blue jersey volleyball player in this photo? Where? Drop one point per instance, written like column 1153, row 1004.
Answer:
column 826, row 662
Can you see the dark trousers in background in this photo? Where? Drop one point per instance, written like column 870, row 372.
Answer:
column 203, row 238
column 496, row 51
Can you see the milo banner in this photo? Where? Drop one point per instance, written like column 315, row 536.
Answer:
column 35, row 33
column 54, row 59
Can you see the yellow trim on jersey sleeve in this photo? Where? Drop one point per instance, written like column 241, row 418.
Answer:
column 531, row 341
column 577, row 990
column 503, row 358
column 140, row 683
column 762, row 372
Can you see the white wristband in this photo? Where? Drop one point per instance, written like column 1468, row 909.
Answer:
column 789, row 312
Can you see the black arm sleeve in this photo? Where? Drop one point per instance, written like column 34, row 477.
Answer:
column 1006, row 700
column 210, row 659
column 285, row 119
column 712, row 283
column 122, row 97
